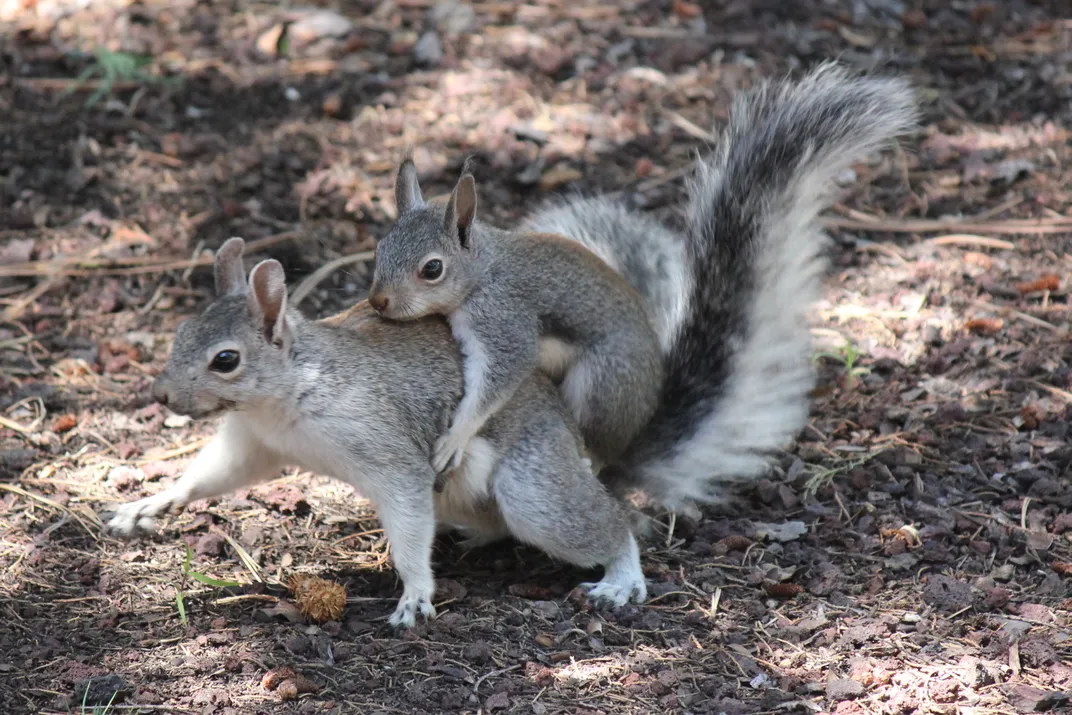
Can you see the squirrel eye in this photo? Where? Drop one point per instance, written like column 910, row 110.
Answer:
column 432, row 269
column 225, row 361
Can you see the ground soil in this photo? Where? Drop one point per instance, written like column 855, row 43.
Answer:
column 930, row 572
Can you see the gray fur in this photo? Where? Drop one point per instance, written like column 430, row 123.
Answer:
column 364, row 400
column 407, row 191
column 651, row 256
column 739, row 352
column 228, row 272
column 504, row 291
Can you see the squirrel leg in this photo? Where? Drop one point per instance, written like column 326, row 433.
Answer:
column 233, row 459
column 408, row 518
column 549, row 498
column 491, row 375
column 610, row 399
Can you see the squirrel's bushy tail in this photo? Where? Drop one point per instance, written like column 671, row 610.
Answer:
column 739, row 363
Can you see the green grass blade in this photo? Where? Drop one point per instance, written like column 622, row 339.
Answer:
column 181, row 606
column 209, row 581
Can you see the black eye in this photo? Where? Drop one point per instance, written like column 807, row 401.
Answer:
column 432, row 269
column 225, row 361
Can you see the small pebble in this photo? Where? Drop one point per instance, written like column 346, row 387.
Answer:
column 428, row 50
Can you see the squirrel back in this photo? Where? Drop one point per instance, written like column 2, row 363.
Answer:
column 733, row 288
column 505, row 293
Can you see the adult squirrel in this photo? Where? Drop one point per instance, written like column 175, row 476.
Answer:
column 365, row 399
column 504, row 291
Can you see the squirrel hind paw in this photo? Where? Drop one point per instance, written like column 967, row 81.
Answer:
column 617, row 592
column 623, row 580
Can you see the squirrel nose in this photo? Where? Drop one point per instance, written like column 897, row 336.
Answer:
column 160, row 391
column 378, row 301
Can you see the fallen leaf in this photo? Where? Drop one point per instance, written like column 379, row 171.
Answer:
column 984, row 326
column 1031, row 415
column 783, row 590
column 1039, row 540
column 64, row 423
column 275, row 676
column 1062, row 567
column 1048, row 282
column 907, row 534
column 450, row 590
column 778, row 574
column 733, row 542
column 498, row 701
column 286, row 609
column 281, row 497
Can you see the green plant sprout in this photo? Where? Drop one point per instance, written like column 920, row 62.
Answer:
column 848, row 355
column 96, row 708
column 187, row 574
column 113, row 67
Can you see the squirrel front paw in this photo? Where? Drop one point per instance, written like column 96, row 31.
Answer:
column 138, row 517
column 449, row 451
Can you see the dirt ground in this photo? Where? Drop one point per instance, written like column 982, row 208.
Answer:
column 922, row 556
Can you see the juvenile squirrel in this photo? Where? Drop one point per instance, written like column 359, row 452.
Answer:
column 365, row 399
column 502, row 291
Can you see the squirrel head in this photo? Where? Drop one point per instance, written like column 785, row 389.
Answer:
column 426, row 265
column 234, row 355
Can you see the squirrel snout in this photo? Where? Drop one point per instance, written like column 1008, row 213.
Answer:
column 160, row 391
column 378, row 301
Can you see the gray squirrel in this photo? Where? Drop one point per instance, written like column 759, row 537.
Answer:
column 516, row 301
column 365, row 399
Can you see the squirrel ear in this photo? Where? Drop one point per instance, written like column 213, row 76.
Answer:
column 227, row 268
column 268, row 298
column 461, row 209
column 407, row 190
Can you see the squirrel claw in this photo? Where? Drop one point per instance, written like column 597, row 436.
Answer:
column 449, row 452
